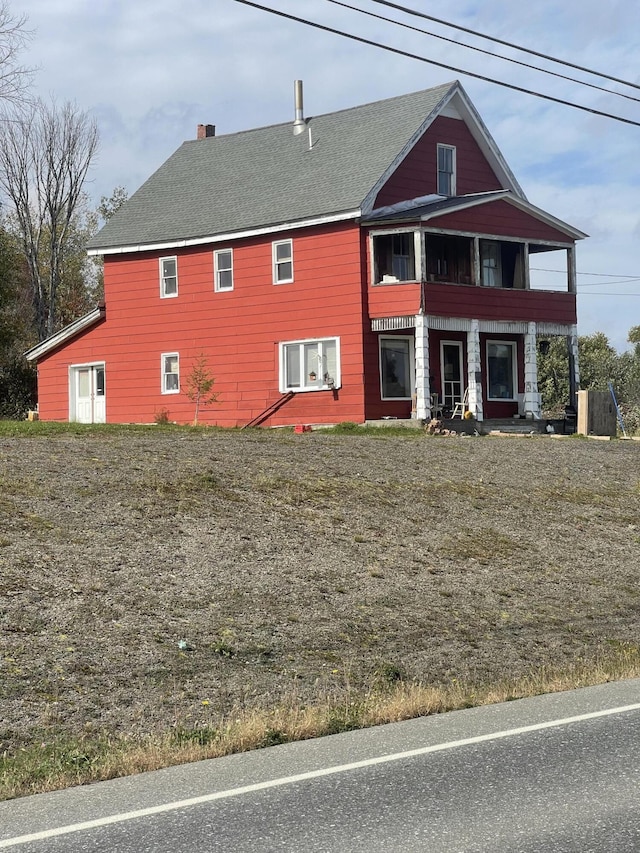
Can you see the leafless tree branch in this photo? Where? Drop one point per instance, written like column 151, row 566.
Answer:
column 45, row 154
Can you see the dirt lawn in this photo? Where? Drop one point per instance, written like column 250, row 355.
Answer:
column 293, row 565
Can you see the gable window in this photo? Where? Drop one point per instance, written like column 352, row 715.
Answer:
column 168, row 277
column 223, row 269
column 501, row 370
column 310, row 365
column 396, row 367
column 170, row 373
column 394, row 257
column 446, row 170
column 282, row 261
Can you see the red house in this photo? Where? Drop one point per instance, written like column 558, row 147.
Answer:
column 368, row 263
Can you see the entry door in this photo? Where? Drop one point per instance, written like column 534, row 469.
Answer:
column 451, row 369
column 89, row 394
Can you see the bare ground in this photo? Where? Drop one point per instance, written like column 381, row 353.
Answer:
column 295, row 564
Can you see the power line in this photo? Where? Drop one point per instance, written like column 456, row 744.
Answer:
column 485, row 52
column 409, row 55
column 409, row 11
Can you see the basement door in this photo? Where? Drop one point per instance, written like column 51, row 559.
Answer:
column 87, row 388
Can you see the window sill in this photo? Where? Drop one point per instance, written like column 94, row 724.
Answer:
column 309, row 390
column 394, row 283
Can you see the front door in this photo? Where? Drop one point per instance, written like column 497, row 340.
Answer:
column 89, row 388
column 451, row 369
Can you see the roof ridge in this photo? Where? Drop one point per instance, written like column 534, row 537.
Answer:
column 443, row 86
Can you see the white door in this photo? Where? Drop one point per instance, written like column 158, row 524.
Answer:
column 89, row 394
column 451, row 373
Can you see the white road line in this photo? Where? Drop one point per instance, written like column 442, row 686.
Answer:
column 302, row 777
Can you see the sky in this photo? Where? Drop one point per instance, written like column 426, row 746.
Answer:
column 150, row 71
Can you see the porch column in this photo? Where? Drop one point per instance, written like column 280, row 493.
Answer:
column 532, row 403
column 474, row 371
column 574, row 367
column 423, row 390
column 423, row 400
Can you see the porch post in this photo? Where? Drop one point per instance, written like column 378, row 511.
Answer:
column 574, row 367
column 531, row 401
column 423, row 390
column 474, row 370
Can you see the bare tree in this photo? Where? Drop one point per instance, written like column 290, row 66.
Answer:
column 45, row 154
column 15, row 78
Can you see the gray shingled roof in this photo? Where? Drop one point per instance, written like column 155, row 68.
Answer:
column 266, row 177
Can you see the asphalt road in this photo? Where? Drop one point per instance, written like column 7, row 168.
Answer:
column 555, row 773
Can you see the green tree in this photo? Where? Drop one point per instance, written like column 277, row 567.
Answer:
column 199, row 386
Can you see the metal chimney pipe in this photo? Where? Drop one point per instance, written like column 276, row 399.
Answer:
column 299, row 124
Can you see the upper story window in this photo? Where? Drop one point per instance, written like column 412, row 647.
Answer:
column 170, row 366
column 168, row 277
column 394, row 257
column 502, row 264
column 223, row 269
column 446, row 170
column 282, row 261
column 310, row 365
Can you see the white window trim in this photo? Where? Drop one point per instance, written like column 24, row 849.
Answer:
column 452, row 148
column 163, row 374
column 412, row 364
column 274, row 252
column 337, row 379
column 163, row 278
column 460, row 348
column 514, row 370
column 216, row 270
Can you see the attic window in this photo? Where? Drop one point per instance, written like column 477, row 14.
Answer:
column 446, row 170
column 394, row 257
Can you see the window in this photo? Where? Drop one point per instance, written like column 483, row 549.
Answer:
column 446, row 170
column 223, row 269
column 501, row 370
column 396, row 367
column 310, row 365
column 449, row 258
column 282, row 261
column 394, row 257
column 168, row 277
column 490, row 264
column 170, row 373
column 502, row 264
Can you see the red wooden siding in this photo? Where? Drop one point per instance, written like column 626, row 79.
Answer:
column 239, row 331
column 417, row 174
column 394, row 300
column 501, row 219
column 493, row 303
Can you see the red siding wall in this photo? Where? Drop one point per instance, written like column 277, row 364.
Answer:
column 491, row 303
column 238, row 331
column 417, row 174
column 501, row 219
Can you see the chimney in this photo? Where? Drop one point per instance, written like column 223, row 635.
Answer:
column 299, row 124
column 206, row 130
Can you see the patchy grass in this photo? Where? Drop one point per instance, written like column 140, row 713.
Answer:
column 60, row 760
column 177, row 592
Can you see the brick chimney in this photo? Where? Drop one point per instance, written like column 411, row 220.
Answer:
column 206, row 130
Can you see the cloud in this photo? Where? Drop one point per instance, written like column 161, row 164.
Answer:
column 151, row 71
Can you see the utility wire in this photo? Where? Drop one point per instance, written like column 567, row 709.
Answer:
column 505, row 43
column 485, row 52
column 405, row 53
